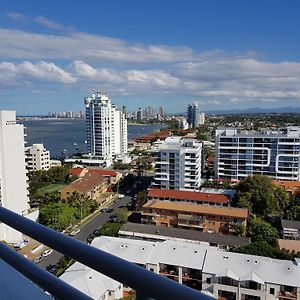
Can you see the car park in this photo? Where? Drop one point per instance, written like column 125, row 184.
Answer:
column 47, row 252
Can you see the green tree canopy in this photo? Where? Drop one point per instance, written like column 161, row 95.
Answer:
column 259, row 230
column 57, row 215
column 261, row 196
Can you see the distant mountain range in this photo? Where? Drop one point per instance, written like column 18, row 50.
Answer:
column 255, row 110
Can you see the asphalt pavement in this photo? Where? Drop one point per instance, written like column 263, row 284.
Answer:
column 100, row 219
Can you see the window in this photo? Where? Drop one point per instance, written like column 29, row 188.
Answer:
column 272, row 291
column 208, row 280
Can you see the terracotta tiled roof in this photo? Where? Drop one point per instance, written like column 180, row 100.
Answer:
column 199, row 209
column 186, row 195
column 287, row 184
column 76, row 171
column 289, row 244
column 103, row 172
column 86, row 183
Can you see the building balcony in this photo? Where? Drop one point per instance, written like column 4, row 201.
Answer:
column 286, row 295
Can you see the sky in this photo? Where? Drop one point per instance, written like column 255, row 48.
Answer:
column 221, row 54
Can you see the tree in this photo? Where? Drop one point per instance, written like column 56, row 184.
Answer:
column 122, row 216
column 293, row 213
column 261, row 196
column 57, row 215
column 141, row 199
column 259, row 230
column 110, row 229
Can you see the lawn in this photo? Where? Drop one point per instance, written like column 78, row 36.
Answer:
column 50, row 189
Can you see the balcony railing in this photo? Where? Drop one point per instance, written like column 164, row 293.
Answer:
column 148, row 285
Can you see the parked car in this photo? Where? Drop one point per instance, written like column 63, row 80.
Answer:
column 110, row 210
column 74, row 232
column 104, row 210
column 38, row 259
column 120, row 196
column 47, row 252
column 112, row 218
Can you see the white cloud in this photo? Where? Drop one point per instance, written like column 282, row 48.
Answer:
column 81, row 46
column 48, row 23
column 215, row 77
column 16, row 17
column 28, row 72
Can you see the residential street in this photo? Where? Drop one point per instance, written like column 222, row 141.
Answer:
column 88, row 228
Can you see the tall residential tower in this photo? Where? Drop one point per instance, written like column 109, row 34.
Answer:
column 193, row 115
column 13, row 180
column 106, row 128
column 178, row 164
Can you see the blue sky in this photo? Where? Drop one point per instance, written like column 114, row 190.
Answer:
column 222, row 54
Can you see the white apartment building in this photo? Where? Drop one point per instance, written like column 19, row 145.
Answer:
column 106, row 129
column 178, row 164
column 13, row 179
column 37, row 157
column 240, row 153
column 225, row 275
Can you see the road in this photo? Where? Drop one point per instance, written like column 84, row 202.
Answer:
column 100, row 219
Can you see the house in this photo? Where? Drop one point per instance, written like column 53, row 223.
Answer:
column 177, row 196
column 113, row 176
column 290, row 229
column 290, row 245
column 206, row 218
column 292, row 187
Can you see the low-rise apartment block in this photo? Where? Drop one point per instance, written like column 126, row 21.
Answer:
column 188, row 197
column 90, row 185
column 226, row 275
column 37, row 157
column 159, row 234
column 240, row 153
column 206, row 218
column 178, row 164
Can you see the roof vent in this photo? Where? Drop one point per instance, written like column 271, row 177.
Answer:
column 248, row 260
column 143, row 249
column 174, row 248
column 90, row 277
column 255, row 261
column 289, row 268
column 196, row 251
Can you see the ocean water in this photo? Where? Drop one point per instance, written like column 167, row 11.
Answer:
column 58, row 135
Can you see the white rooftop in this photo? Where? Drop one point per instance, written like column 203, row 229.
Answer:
column 167, row 252
column 209, row 259
column 270, row 270
column 89, row 281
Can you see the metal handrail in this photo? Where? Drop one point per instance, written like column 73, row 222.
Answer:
column 41, row 277
column 147, row 284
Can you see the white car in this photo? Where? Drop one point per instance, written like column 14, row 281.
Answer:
column 74, row 232
column 120, row 196
column 47, row 252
